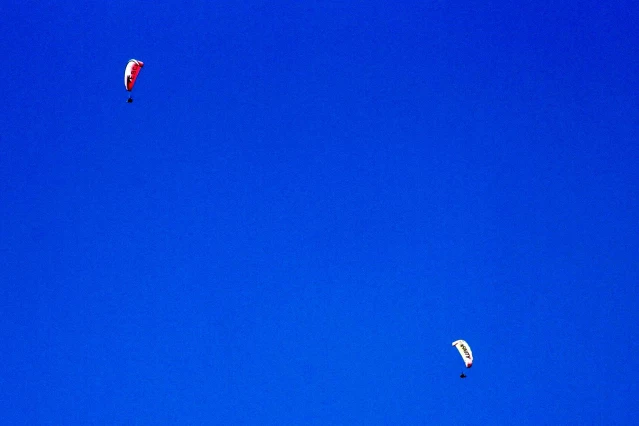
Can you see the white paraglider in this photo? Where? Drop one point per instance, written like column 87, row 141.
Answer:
column 465, row 352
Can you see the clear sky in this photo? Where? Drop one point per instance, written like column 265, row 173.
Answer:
column 308, row 202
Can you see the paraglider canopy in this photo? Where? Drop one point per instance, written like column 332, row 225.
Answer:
column 131, row 71
column 465, row 352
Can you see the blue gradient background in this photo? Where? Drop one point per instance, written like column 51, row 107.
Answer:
column 308, row 202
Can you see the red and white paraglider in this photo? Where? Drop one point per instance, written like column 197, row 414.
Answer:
column 131, row 72
column 465, row 352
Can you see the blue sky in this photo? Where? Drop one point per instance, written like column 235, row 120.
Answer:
column 308, row 202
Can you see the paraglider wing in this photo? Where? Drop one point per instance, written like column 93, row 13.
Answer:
column 464, row 351
column 131, row 73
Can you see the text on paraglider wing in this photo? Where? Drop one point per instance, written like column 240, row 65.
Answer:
column 465, row 349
